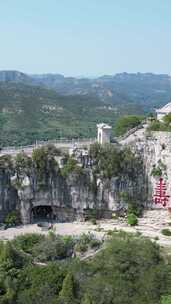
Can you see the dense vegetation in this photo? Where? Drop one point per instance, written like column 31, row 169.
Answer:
column 110, row 161
column 125, row 123
column 164, row 125
column 129, row 269
column 107, row 161
column 29, row 113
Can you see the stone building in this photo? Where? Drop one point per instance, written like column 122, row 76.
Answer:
column 103, row 133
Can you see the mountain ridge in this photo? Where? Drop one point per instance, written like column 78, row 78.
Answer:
column 53, row 106
column 148, row 89
column 29, row 113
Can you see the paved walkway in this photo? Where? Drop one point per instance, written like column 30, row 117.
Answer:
column 150, row 225
column 67, row 144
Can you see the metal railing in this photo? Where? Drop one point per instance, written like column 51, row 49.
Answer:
column 59, row 142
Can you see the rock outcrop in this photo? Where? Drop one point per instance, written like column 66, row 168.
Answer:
column 155, row 149
column 73, row 197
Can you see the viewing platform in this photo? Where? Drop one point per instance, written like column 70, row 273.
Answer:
column 64, row 144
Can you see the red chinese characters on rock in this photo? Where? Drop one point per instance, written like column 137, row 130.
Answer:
column 160, row 196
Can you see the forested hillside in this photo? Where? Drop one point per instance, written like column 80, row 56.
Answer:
column 149, row 90
column 29, row 113
column 49, row 106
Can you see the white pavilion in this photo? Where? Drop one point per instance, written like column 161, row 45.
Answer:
column 163, row 111
column 103, row 133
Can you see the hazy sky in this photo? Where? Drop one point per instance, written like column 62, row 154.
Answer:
column 85, row 37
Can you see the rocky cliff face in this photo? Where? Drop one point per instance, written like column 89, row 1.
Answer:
column 155, row 149
column 8, row 194
column 29, row 185
column 73, row 197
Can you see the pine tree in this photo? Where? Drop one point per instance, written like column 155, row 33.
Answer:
column 86, row 299
column 66, row 295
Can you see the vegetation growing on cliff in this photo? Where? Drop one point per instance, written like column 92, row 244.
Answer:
column 159, row 169
column 12, row 219
column 44, row 160
column 125, row 123
column 128, row 270
column 23, row 163
column 71, row 166
column 106, row 161
column 110, row 161
column 6, row 163
column 164, row 125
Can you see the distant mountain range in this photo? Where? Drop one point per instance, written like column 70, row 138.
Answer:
column 149, row 90
column 36, row 107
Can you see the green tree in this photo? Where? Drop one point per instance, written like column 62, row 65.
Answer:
column 132, row 219
column 40, row 284
column 167, row 119
column 71, row 166
column 12, row 218
column 166, row 300
column 67, row 294
column 125, row 123
column 23, row 163
column 86, row 299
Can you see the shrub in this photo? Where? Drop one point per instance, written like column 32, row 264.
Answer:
column 167, row 119
column 134, row 208
column 166, row 232
column 81, row 247
column 125, row 123
column 22, row 162
column 85, row 241
column 12, row 219
column 99, row 229
column 156, row 238
column 132, row 219
column 26, row 242
column 114, row 216
column 91, row 215
column 95, row 243
column 6, row 162
column 71, row 166
column 154, row 126
column 110, row 232
column 156, row 171
column 54, row 247
column 93, row 221
column 166, row 299
column 132, row 203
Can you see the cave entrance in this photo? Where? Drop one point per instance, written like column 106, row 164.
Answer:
column 42, row 213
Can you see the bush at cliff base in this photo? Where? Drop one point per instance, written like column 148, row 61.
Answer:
column 12, row 219
column 166, row 232
column 132, row 219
